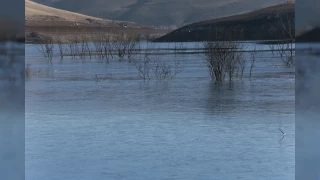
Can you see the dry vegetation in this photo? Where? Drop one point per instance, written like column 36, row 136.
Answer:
column 46, row 49
column 148, row 61
column 285, row 47
column 225, row 58
column 253, row 55
column 151, row 60
column 287, row 50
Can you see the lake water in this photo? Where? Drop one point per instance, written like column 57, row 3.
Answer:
column 188, row 128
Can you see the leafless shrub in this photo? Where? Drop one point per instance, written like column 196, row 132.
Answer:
column 166, row 70
column 286, row 48
column 215, row 58
column 61, row 48
column 144, row 63
column 224, row 57
column 252, row 59
column 73, row 47
column 79, row 46
column 133, row 46
column 108, row 45
column 46, row 49
column 126, row 44
column 84, row 46
column 151, row 60
column 177, row 68
column 231, row 64
column 241, row 62
column 121, row 44
column 162, row 70
column 99, row 47
column 286, row 52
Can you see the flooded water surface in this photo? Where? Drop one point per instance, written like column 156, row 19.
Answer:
column 186, row 128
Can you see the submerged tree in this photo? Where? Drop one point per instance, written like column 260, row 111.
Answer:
column 224, row 57
column 286, row 48
column 46, row 48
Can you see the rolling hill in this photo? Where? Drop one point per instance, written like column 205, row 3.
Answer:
column 262, row 24
column 43, row 21
column 41, row 15
column 160, row 12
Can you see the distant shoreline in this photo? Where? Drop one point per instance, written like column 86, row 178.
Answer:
column 35, row 34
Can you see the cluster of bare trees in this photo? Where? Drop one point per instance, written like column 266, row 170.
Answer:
column 78, row 47
column 126, row 45
column 148, row 61
column 286, row 48
column 224, row 58
column 46, row 49
column 104, row 45
column 151, row 64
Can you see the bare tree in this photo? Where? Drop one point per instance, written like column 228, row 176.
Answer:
column 151, row 60
column 224, row 57
column 161, row 70
column 133, row 46
column 177, row 68
column 166, row 70
column 46, row 49
column 73, row 47
column 252, row 59
column 84, row 45
column 108, row 47
column 216, row 56
column 143, row 65
column 241, row 63
column 61, row 48
column 286, row 48
column 121, row 44
column 99, row 47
